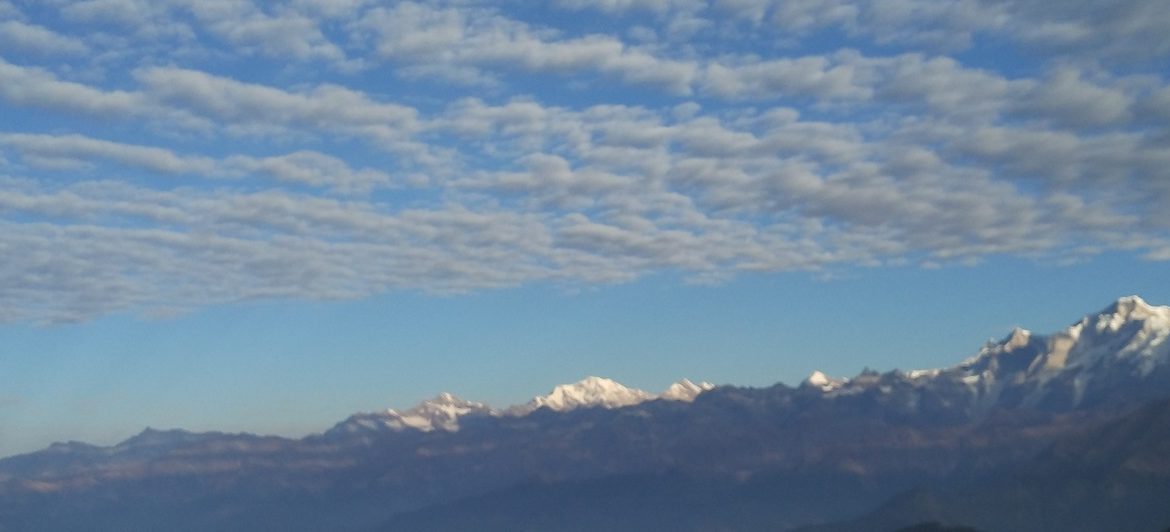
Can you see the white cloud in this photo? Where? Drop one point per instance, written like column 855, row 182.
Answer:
column 250, row 107
column 227, row 248
column 618, row 6
column 940, row 83
column 30, row 86
column 304, row 167
column 122, row 12
column 313, row 169
column 848, row 78
column 935, row 86
column 193, row 153
column 77, row 148
column 937, row 25
column 414, row 33
column 813, row 77
column 38, row 39
column 1157, row 104
column 338, row 9
column 1116, row 29
column 1065, row 97
column 285, row 34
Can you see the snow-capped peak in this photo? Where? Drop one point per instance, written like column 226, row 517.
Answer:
column 1130, row 339
column 1018, row 338
column 441, row 412
column 1129, row 309
column 1128, row 330
column 1017, row 341
column 817, row 379
column 685, row 390
column 1131, row 304
column 588, row 392
column 1126, row 339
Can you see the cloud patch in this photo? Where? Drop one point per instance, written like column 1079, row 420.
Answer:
column 158, row 157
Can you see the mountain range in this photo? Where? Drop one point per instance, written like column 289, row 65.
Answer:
column 444, row 411
column 1064, row 431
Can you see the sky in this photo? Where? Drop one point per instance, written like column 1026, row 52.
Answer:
column 249, row 216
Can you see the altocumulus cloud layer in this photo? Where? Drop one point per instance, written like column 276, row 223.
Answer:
column 161, row 155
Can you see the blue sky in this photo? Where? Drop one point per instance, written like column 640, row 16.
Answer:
column 248, row 216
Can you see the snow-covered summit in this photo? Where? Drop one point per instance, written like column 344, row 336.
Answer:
column 1120, row 353
column 685, row 390
column 607, row 393
column 1130, row 331
column 1126, row 342
column 588, row 392
column 1127, row 327
column 1125, row 339
column 1136, row 308
column 444, row 411
column 1130, row 310
column 818, row 379
column 441, row 412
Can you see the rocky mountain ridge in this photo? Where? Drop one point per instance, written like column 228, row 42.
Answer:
column 444, row 411
column 783, row 456
column 1057, row 371
column 1084, row 364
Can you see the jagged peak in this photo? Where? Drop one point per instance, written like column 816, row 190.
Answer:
column 446, row 399
column 1134, row 308
column 1129, row 304
column 1015, row 340
column 1019, row 337
column 441, row 412
column 1128, row 309
column 685, row 390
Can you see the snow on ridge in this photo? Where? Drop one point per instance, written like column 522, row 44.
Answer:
column 916, row 374
column 1129, row 330
column 444, row 411
column 601, row 392
column 441, row 412
column 590, row 391
column 685, row 390
column 1080, row 337
column 1129, row 335
column 818, row 379
column 1130, row 309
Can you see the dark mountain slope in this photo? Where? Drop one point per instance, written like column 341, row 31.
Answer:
column 1115, row 477
column 654, row 502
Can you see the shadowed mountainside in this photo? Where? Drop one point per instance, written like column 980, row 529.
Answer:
column 1115, row 477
